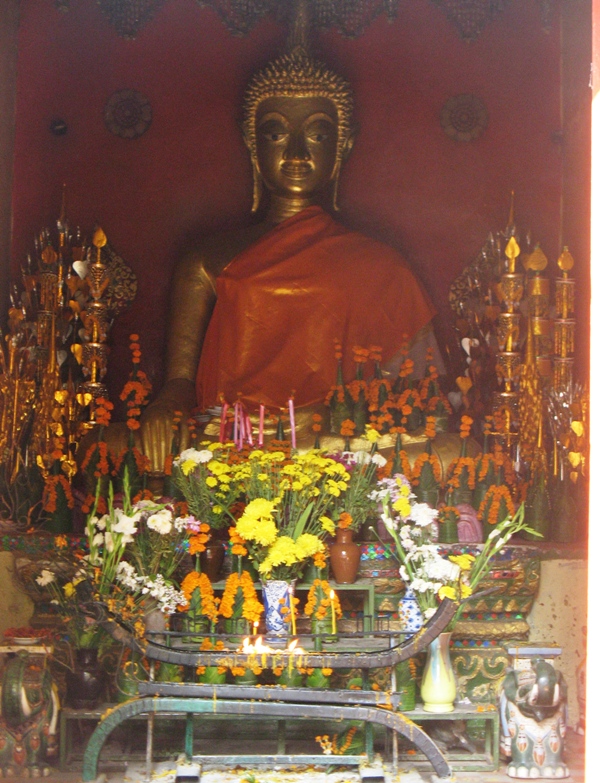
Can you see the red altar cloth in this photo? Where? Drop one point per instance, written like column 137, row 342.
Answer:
column 282, row 303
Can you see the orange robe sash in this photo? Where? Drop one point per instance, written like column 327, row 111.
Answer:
column 283, row 302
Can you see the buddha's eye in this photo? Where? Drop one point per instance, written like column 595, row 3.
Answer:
column 319, row 131
column 273, row 130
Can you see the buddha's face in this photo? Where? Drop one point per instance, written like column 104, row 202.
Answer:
column 296, row 145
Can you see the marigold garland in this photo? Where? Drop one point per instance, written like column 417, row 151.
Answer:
column 423, row 459
column 430, row 427
column 489, row 509
column 102, row 466
column 102, row 412
column 208, row 604
column 142, row 462
column 465, row 426
column 461, row 473
column 50, row 497
column 347, row 428
column 318, row 601
column 251, row 606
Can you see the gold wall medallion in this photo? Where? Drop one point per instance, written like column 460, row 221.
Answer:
column 128, row 114
column 464, row 117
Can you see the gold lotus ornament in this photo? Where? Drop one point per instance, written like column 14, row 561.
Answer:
column 512, row 252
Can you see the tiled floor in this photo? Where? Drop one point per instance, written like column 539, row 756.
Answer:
column 164, row 772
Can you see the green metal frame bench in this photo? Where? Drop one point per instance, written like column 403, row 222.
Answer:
column 371, row 707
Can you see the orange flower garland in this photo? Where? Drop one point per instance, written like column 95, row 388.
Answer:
column 251, row 607
column 420, row 462
column 208, row 604
column 465, row 426
column 489, row 509
column 430, row 427
column 460, row 470
column 102, row 412
column 318, row 601
column 347, row 428
column 317, row 422
column 50, row 497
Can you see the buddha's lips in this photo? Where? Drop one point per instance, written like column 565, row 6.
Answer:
column 296, row 170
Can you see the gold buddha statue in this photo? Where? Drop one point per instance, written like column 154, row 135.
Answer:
column 255, row 312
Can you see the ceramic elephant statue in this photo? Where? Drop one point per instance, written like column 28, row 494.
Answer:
column 533, row 717
column 28, row 724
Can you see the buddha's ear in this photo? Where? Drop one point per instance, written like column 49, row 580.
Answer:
column 257, row 187
column 244, row 130
column 349, row 143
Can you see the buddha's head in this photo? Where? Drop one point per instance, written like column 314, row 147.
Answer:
column 297, row 126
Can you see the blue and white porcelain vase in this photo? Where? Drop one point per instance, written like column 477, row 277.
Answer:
column 409, row 614
column 277, row 599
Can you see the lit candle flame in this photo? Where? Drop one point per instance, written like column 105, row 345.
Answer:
column 258, row 648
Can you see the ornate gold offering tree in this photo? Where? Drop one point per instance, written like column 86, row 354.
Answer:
column 52, row 362
column 518, row 343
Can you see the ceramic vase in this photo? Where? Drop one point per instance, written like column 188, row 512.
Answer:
column 410, row 618
column 211, row 560
column 85, row 684
column 438, row 686
column 344, row 557
column 155, row 621
column 277, row 595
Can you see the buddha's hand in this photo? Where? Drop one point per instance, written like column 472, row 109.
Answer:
column 158, row 422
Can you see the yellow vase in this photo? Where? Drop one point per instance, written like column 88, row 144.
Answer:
column 438, row 687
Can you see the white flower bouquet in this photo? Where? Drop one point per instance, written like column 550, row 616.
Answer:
column 431, row 575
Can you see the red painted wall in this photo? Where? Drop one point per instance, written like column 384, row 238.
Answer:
column 406, row 182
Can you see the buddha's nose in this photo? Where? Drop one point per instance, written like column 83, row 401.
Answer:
column 296, row 148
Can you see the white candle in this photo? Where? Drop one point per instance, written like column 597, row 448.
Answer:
column 292, row 422
column 292, row 610
column 333, row 620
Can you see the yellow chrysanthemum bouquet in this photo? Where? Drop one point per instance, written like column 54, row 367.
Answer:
column 288, row 500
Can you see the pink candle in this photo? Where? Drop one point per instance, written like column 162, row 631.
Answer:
column 261, row 426
column 292, row 422
column 248, row 425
